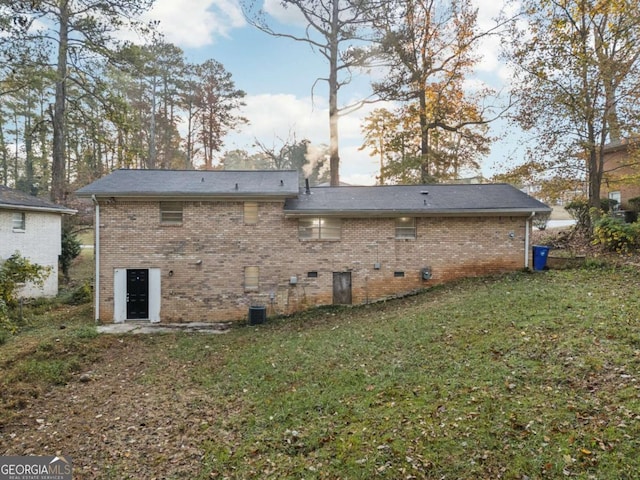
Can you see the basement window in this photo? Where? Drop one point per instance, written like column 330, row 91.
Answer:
column 398, row 274
column 171, row 213
column 19, row 222
column 312, row 274
column 405, row 228
column 321, row 228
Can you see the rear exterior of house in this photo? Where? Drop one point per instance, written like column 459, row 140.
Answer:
column 32, row 227
column 188, row 246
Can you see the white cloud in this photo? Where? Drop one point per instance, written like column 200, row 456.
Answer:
column 489, row 47
column 274, row 117
column 196, row 23
column 290, row 15
column 357, row 167
column 279, row 113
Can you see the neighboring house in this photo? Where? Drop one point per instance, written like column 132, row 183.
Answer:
column 32, row 226
column 469, row 180
column 177, row 246
column 621, row 181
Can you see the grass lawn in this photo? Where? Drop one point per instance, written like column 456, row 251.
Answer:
column 519, row 376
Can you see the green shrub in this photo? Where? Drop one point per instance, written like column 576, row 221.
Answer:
column 14, row 271
column 85, row 332
column 70, row 249
column 616, row 235
column 80, row 295
column 580, row 212
column 608, row 204
column 634, row 204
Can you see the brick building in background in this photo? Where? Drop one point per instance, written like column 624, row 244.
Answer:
column 621, row 180
column 178, row 246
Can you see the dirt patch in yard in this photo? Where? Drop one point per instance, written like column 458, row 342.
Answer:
column 116, row 422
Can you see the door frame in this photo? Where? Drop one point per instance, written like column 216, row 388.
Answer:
column 120, row 294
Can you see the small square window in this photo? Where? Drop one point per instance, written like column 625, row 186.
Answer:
column 250, row 213
column 19, row 222
column 251, row 278
column 405, row 228
column 312, row 274
column 171, row 213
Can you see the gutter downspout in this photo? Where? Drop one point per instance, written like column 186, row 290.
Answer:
column 527, row 240
column 96, row 288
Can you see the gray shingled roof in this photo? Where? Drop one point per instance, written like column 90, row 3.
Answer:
column 440, row 199
column 17, row 200
column 194, row 183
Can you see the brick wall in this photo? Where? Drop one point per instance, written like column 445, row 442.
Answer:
column 622, row 175
column 202, row 261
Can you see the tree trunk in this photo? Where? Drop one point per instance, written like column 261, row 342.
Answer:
column 28, row 150
column 3, row 155
column 334, row 156
column 189, row 146
column 595, row 176
column 152, row 132
column 425, row 174
column 59, row 137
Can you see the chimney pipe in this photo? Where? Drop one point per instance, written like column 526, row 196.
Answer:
column 307, row 190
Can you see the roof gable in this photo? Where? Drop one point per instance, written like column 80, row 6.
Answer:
column 194, row 183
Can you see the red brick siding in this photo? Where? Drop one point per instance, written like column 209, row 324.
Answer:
column 622, row 175
column 214, row 232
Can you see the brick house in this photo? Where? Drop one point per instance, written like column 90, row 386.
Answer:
column 621, row 180
column 176, row 246
column 32, row 226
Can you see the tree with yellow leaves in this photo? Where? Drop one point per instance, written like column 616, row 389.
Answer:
column 577, row 78
column 430, row 49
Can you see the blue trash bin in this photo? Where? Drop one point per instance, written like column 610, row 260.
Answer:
column 540, row 254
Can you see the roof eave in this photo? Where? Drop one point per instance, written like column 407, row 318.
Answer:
column 31, row 208
column 137, row 196
column 466, row 212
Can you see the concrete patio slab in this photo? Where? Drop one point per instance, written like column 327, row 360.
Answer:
column 146, row 327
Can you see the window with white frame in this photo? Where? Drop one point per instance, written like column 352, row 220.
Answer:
column 405, row 227
column 320, row 228
column 19, row 222
column 251, row 278
column 617, row 198
column 171, row 213
column 250, row 213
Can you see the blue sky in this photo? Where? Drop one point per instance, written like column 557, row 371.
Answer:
column 277, row 75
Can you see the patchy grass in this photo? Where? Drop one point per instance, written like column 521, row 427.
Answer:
column 522, row 376
column 55, row 343
column 518, row 376
column 56, row 340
